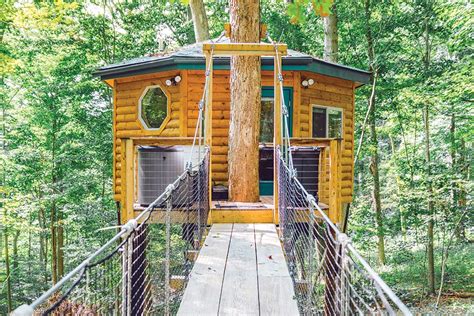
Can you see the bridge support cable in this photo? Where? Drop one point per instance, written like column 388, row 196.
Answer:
column 329, row 275
column 285, row 131
column 144, row 268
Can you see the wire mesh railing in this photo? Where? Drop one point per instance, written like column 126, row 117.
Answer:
column 144, row 268
column 329, row 275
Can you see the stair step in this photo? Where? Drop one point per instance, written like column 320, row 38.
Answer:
column 241, row 215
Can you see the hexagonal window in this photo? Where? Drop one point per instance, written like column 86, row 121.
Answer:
column 153, row 107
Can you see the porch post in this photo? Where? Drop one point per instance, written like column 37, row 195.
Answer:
column 276, row 130
column 335, row 180
column 208, row 116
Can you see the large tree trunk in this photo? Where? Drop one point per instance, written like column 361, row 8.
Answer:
column 331, row 43
column 430, row 229
column 201, row 26
column 245, row 104
column 374, row 162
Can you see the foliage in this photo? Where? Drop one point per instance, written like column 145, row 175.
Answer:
column 57, row 117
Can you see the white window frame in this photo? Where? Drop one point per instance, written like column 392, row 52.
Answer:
column 327, row 108
column 168, row 108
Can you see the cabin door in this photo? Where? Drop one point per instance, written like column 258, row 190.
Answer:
column 266, row 136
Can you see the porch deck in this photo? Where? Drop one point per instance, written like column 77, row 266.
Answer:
column 241, row 270
column 241, row 212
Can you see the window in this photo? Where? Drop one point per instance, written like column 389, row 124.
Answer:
column 266, row 121
column 153, row 107
column 326, row 122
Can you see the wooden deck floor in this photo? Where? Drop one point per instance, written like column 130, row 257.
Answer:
column 240, row 270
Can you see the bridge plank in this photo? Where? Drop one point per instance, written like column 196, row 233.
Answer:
column 203, row 290
column 240, row 289
column 241, row 270
column 275, row 286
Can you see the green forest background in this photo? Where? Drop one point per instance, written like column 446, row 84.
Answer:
column 57, row 131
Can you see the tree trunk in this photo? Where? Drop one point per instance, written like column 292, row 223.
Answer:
column 430, row 228
column 201, row 26
column 374, row 163
column 245, row 83
column 54, row 245
column 331, row 43
column 60, row 251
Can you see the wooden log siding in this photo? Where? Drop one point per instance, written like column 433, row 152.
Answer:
column 127, row 93
column 328, row 91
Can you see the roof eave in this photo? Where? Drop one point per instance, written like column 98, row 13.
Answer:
column 181, row 62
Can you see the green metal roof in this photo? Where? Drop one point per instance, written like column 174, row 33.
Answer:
column 191, row 57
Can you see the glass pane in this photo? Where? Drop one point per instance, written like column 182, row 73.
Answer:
column 266, row 121
column 335, row 123
column 319, row 122
column 154, row 108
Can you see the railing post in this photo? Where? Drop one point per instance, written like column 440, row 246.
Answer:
column 311, row 252
column 169, row 206
column 129, row 273
column 124, row 278
column 127, row 178
column 342, row 240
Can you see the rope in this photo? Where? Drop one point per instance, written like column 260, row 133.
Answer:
column 202, row 102
column 284, row 109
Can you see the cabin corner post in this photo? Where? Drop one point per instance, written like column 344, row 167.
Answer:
column 277, row 138
column 208, row 114
column 127, row 179
column 335, row 203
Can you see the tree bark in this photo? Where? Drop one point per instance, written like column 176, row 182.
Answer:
column 331, row 43
column 245, row 83
column 200, row 23
column 374, row 163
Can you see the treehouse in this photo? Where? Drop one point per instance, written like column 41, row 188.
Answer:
column 171, row 119
column 156, row 107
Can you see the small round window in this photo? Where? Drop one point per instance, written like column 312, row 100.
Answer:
column 153, row 107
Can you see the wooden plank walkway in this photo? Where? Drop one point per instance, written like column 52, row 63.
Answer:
column 240, row 270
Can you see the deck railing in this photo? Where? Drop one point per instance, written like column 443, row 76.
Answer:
column 330, row 277
column 144, row 268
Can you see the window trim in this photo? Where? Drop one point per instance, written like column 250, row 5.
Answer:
column 327, row 108
column 168, row 109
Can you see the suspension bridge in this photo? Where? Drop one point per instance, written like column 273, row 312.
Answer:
column 171, row 259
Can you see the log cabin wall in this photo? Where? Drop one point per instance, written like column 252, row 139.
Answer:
column 332, row 92
column 184, row 98
column 127, row 92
